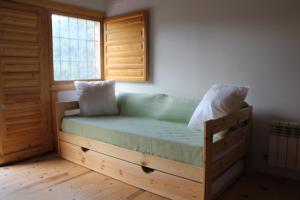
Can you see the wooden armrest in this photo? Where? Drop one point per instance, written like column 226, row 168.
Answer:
column 224, row 123
column 60, row 108
column 70, row 105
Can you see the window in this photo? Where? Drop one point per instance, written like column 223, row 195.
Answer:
column 76, row 48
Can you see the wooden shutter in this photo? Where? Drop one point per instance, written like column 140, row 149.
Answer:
column 125, row 47
column 24, row 83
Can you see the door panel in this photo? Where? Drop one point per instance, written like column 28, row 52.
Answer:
column 24, row 83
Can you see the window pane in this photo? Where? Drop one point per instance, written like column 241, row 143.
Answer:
column 73, row 24
column 64, row 26
column 55, row 25
column 74, row 70
column 97, row 31
column 82, row 28
column 91, row 51
column 65, row 71
column 57, row 71
column 76, row 48
column 56, row 48
column 82, row 50
column 90, row 30
column 82, row 70
column 97, row 50
column 64, row 46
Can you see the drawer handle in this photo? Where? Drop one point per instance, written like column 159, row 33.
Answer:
column 84, row 149
column 147, row 170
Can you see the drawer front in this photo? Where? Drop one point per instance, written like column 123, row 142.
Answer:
column 151, row 180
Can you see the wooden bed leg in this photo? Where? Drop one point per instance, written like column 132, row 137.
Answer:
column 59, row 112
column 207, row 181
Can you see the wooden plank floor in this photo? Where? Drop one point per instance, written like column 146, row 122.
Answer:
column 51, row 178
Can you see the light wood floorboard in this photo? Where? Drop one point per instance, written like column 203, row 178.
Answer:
column 52, row 178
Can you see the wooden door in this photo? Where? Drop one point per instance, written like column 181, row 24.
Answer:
column 24, row 83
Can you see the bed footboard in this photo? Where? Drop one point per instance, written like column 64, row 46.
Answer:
column 220, row 155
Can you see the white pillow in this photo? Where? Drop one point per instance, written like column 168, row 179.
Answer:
column 97, row 98
column 219, row 101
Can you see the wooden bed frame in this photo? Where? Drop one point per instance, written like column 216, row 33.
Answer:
column 168, row 178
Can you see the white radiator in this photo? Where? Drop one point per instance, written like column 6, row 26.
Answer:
column 284, row 149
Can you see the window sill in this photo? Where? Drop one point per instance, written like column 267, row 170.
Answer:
column 62, row 87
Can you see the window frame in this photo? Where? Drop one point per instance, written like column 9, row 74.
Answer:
column 69, row 84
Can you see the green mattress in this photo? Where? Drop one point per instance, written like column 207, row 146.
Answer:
column 171, row 140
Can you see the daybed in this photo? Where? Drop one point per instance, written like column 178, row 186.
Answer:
column 149, row 145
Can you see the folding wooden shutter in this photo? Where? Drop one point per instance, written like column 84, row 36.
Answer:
column 125, row 47
column 24, row 87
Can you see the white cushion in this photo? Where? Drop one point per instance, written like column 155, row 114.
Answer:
column 97, row 98
column 219, row 101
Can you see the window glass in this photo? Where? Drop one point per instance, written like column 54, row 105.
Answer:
column 76, row 48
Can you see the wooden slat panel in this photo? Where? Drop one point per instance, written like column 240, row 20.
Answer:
column 124, row 22
column 22, row 98
column 23, row 113
column 124, row 54
column 28, row 119
column 15, row 21
column 114, row 68
column 20, row 76
column 19, row 65
column 18, row 13
column 125, row 35
column 22, row 106
column 19, row 50
column 229, row 159
column 136, row 47
column 12, row 129
column 24, row 83
column 126, row 60
column 19, row 29
column 125, row 47
column 124, row 41
column 24, row 134
column 36, row 130
column 136, row 26
column 18, row 36
column 16, row 145
column 20, row 91
column 232, row 138
column 21, row 155
column 17, row 80
column 228, row 121
column 124, row 74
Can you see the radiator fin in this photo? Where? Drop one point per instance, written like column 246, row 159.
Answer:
column 284, row 148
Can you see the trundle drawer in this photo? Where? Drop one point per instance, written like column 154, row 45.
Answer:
column 158, row 182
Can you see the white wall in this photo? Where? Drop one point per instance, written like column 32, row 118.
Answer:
column 196, row 43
